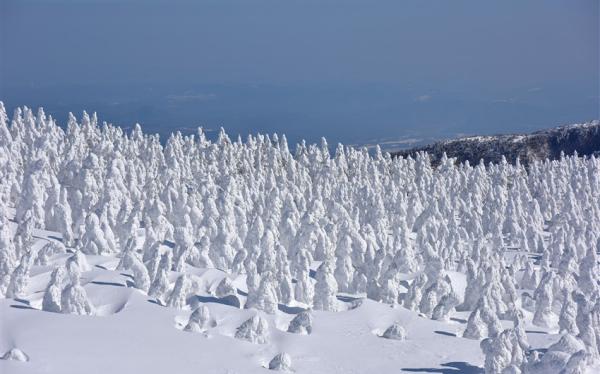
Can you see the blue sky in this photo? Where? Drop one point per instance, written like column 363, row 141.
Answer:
column 354, row 71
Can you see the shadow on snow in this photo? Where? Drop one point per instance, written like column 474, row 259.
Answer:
column 448, row 368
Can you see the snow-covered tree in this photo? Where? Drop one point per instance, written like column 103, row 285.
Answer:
column 325, row 289
column 568, row 315
column 200, row 320
column 254, row 330
column 160, row 285
column 266, row 295
column 544, row 316
column 179, row 294
column 19, row 278
column 301, row 323
column 74, row 299
column 52, row 296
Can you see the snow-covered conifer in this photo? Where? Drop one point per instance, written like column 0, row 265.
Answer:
column 63, row 219
column 266, row 295
column 568, row 314
column 254, row 330
column 78, row 261
column 50, row 249
column 343, row 266
column 141, row 278
column 446, row 304
column 301, row 323
column 415, row 292
column 160, row 285
column 19, row 279
column 7, row 250
column 52, row 296
column 94, row 240
column 325, row 289
column 200, row 320
column 178, row 297
column 476, row 327
column 225, row 288
column 74, row 299
column 502, row 355
column 199, row 255
column 544, row 316
column 588, row 333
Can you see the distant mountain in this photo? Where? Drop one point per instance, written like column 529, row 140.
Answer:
column 581, row 138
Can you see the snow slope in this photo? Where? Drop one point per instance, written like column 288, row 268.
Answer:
column 133, row 334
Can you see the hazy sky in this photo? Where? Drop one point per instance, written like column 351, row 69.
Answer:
column 352, row 70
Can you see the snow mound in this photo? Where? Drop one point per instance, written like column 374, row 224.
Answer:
column 567, row 344
column 281, row 362
column 255, row 330
column 395, row 332
column 15, row 354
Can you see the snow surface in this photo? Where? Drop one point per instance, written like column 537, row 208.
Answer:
column 132, row 334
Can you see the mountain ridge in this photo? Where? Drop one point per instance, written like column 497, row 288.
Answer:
column 584, row 139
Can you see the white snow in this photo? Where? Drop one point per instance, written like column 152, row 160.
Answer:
column 119, row 254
